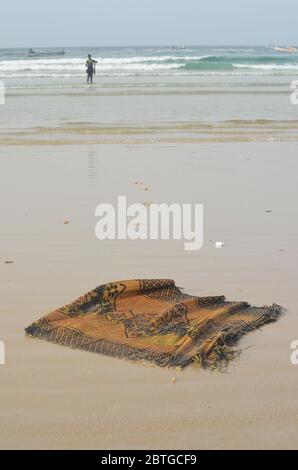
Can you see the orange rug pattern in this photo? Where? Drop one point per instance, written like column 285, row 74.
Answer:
column 153, row 320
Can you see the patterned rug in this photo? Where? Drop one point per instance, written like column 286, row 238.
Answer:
column 153, row 320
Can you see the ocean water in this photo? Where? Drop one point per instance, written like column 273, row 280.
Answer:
column 193, row 92
column 149, row 61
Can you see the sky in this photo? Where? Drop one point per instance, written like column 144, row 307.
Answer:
column 65, row 23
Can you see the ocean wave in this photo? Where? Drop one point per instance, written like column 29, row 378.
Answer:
column 234, row 50
column 287, row 66
column 154, row 65
column 166, row 58
column 78, row 63
column 131, row 74
column 42, row 75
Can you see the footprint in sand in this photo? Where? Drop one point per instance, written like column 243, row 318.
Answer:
column 142, row 184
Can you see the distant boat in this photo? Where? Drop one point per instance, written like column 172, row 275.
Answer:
column 33, row 53
column 285, row 49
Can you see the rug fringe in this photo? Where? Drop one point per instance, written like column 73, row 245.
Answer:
column 223, row 352
column 217, row 357
column 76, row 340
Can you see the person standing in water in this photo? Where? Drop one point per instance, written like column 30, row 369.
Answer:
column 90, row 65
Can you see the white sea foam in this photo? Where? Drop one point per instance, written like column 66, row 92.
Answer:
column 173, row 73
column 154, row 65
column 267, row 66
column 103, row 63
column 131, row 60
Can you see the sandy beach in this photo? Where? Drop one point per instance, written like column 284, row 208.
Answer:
column 52, row 397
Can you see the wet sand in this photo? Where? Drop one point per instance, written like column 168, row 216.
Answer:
column 52, row 397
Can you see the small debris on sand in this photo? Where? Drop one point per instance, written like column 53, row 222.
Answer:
column 219, row 244
column 8, row 262
column 268, row 211
column 174, row 380
column 66, row 222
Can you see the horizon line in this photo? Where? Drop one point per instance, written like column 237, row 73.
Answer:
column 181, row 45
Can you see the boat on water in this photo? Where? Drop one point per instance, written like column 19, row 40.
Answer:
column 36, row 53
column 285, row 49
